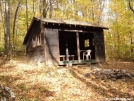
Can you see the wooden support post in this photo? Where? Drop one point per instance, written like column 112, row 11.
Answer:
column 67, row 53
column 67, row 56
column 78, row 46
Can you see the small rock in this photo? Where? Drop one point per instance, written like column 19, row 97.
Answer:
column 90, row 75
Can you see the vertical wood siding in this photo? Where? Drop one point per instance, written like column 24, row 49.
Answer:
column 37, row 53
column 52, row 47
column 99, row 46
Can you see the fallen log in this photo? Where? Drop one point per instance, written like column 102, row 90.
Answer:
column 6, row 94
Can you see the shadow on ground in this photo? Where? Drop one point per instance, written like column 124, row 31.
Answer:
column 103, row 88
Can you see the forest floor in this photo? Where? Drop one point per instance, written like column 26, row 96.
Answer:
column 38, row 83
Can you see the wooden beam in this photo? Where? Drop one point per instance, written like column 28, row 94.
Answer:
column 72, row 30
column 67, row 53
column 78, row 46
column 45, row 47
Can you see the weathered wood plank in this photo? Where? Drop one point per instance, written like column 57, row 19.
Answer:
column 52, row 47
column 78, row 46
column 99, row 46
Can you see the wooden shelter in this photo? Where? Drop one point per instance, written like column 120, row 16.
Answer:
column 61, row 42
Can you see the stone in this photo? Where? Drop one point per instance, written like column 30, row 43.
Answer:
column 111, row 74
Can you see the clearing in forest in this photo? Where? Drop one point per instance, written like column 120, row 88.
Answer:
column 39, row 83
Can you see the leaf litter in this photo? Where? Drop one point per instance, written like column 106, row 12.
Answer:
column 47, row 83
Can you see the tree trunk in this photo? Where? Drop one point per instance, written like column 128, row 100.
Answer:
column 33, row 8
column 131, row 38
column 45, row 8
column 14, row 25
column 7, row 29
column 131, row 42
column 130, row 6
column 1, row 12
column 2, row 9
column 26, row 15
column 51, row 9
column 93, row 18
column 101, row 8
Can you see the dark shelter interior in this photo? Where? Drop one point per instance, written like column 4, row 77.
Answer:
column 68, row 40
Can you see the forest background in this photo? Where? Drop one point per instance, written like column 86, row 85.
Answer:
column 117, row 15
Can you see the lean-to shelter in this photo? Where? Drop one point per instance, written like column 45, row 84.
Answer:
column 59, row 42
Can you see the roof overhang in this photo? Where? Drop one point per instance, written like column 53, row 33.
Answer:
column 69, row 22
column 61, row 22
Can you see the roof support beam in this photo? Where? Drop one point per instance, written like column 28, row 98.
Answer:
column 78, row 46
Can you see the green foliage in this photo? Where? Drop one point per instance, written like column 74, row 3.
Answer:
column 121, row 30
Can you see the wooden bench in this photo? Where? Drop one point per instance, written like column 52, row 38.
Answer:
column 62, row 57
column 72, row 57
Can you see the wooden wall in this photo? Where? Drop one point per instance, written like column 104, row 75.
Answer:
column 36, row 54
column 99, row 45
column 48, row 51
column 52, row 46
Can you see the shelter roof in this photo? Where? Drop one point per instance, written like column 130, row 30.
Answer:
column 60, row 21
column 70, row 22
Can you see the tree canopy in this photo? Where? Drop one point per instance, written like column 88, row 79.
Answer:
column 117, row 15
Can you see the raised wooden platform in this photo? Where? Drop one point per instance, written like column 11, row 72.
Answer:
column 76, row 62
